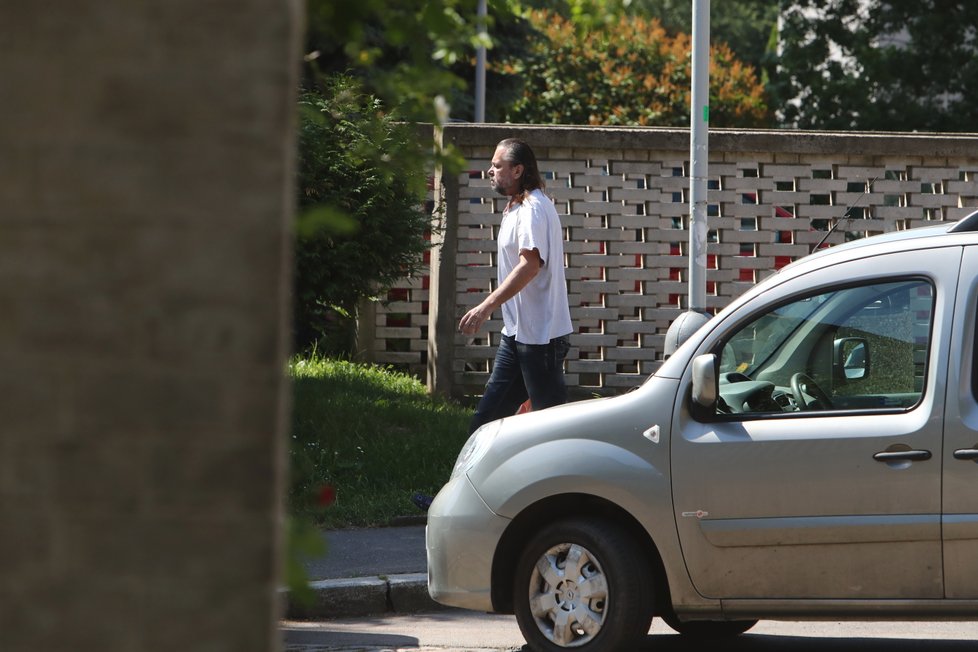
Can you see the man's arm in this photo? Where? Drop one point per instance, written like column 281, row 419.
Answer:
column 523, row 273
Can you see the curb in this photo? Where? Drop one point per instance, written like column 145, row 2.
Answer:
column 398, row 521
column 365, row 596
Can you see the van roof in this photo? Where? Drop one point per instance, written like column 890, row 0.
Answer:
column 967, row 224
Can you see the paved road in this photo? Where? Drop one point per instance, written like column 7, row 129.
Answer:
column 464, row 631
column 382, row 551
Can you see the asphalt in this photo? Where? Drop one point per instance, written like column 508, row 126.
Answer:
column 365, row 572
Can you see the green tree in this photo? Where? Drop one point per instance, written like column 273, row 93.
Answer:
column 628, row 72
column 409, row 52
column 888, row 66
column 749, row 27
column 362, row 226
column 362, row 176
column 400, row 52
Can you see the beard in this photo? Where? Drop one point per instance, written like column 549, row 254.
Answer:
column 502, row 190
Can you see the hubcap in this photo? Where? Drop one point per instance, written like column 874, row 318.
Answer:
column 568, row 595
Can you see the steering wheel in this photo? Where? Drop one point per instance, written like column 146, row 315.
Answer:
column 802, row 384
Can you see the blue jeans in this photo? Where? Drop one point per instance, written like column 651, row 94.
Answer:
column 521, row 371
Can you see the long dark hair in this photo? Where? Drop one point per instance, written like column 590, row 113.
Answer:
column 519, row 153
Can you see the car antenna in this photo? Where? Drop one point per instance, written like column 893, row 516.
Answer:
column 847, row 216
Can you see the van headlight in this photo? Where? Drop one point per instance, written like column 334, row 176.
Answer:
column 475, row 448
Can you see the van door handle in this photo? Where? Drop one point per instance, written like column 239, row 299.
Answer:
column 966, row 454
column 895, row 456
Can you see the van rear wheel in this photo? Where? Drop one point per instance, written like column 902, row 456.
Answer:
column 582, row 585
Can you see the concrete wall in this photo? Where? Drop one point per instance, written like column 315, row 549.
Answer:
column 623, row 197
column 146, row 188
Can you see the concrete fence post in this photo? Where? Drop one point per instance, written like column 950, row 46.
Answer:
column 366, row 325
column 442, row 299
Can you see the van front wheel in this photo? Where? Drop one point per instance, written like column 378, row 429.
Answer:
column 584, row 585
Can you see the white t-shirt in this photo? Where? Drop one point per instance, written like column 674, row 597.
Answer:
column 539, row 312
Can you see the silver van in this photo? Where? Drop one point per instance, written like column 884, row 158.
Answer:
column 808, row 453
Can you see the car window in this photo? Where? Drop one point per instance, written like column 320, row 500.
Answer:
column 853, row 348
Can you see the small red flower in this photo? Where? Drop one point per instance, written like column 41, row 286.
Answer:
column 327, row 495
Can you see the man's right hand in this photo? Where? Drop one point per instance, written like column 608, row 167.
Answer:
column 473, row 320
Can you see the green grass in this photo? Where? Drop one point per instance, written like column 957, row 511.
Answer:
column 374, row 435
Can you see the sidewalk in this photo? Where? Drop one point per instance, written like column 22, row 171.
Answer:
column 369, row 571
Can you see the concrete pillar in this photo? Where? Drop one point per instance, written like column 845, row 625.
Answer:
column 146, row 185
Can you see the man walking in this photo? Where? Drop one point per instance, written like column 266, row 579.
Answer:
column 531, row 291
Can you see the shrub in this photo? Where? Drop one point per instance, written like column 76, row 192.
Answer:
column 361, row 226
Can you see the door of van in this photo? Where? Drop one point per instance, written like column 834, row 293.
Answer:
column 960, row 459
column 830, row 489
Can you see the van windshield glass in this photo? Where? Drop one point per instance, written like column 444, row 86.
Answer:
column 752, row 346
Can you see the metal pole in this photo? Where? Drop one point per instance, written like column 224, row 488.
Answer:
column 699, row 117
column 699, row 149
column 480, row 67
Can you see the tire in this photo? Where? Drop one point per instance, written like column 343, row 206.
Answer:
column 583, row 585
column 708, row 629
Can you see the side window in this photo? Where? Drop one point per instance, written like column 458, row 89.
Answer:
column 854, row 348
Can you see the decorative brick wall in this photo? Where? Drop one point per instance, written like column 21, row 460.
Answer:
column 623, row 198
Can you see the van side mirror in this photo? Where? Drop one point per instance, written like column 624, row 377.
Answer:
column 705, row 381
column 851, row 358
